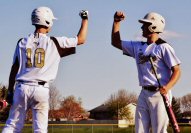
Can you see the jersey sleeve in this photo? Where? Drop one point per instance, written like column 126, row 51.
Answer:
column 127, row 48
column 16, row 54
column 66, row 42
column 169, row 56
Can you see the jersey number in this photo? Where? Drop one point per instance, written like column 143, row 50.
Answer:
column 38, row 58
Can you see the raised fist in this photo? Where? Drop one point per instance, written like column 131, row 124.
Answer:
column 84, row 14
column 118, row 16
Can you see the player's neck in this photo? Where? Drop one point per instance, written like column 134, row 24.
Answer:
column 42, row 30
column 152, row 38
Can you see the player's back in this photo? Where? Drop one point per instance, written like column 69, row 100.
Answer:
column 38, row 58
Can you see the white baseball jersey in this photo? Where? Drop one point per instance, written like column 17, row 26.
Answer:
column 164, row 55
column 39, row 58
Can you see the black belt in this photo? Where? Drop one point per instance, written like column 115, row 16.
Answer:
column 39, row 83
column 150, row 88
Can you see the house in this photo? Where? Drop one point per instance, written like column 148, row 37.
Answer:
column 132, row 109
column 102, row 112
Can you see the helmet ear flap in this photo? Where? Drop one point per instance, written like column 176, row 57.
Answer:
column 47, row 22
column 154, row 27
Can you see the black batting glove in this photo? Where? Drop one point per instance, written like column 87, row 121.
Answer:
column 84, row 14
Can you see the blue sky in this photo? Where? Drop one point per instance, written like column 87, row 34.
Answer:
column 98, row 70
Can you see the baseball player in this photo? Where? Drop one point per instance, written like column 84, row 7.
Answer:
column 150, row 112
column 35, row 65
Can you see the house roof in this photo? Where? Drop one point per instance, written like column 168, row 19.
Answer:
column 100, row 108
column 104, row 108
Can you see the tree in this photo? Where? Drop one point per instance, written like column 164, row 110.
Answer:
column 71, row 107
column 28, row 115
column 5, row 112
column 117, row 104
column 186, row 114
column 54, row 100
column 185, row 103
column 176, row 107
column 3, row 92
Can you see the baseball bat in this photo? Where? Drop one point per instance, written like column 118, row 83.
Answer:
column 167, row 104
column 3, row 104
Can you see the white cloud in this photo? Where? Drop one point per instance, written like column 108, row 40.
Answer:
column 139, row 37
column 170, row 35
column 165, row 35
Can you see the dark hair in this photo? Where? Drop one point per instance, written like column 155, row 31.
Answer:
column 40, row 26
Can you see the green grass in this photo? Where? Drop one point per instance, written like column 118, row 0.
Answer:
column 93, row 129
column 82, row 130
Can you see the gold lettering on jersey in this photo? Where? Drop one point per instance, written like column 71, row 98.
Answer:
column 28, row 54
column 39, row 57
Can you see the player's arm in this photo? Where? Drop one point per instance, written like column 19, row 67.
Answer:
column 176, row 72
column 82, row 34
column 115, row 35
column 13, row 73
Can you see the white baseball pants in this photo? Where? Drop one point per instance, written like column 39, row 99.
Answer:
column 27, row 96
column 151, row 113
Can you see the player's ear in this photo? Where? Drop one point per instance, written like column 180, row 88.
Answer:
column 48, row 29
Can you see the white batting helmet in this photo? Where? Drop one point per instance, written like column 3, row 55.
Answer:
column 156, row 20
column 42, row 16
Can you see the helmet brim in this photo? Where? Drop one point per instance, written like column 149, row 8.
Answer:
column 144, row 21
column 55, row 18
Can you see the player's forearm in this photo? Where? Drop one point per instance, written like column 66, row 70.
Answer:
column 11, row 81
column 176, row 72
column 13, row 73
column 115, row 35
column 82, row 35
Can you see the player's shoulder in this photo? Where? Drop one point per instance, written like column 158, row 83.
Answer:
column 62, row 51
column 163, row 44
column 23, row 40
column 134, row 43
column 54, row 40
